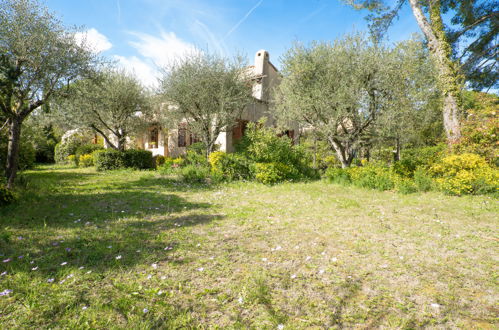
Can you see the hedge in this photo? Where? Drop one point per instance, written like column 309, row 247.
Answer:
column 111, row 159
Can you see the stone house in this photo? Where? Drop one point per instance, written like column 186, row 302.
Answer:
column 174, row 142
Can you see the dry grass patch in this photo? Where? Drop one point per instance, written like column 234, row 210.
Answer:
column 301, row 255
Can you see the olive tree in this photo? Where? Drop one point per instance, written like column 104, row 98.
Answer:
column 413, row 115
column 113, row 104
column 338, row 90
column 38, row 58
column 208, row 91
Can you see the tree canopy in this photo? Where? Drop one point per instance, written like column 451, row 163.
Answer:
column 208, row 91
column 39, row 57
column 338, row 90
column 113, row 104
column 471, row 31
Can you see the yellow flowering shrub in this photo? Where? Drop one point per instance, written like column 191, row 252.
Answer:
column 215, row 158
column 72, row 160
column 465, row 174
column 86, row 160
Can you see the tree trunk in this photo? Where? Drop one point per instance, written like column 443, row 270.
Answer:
column 315, row 152
column 121, row 142
column 396, row 153
column 345, row 155
column 13, row 151
column 448, row 73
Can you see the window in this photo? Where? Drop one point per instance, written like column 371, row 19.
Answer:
column 182, row 136
column 153, row 138
column 238, row 130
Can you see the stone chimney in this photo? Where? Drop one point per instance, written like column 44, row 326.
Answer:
column 261, row 72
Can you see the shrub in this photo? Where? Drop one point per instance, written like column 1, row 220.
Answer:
column 271, row 173
column 87, row 149
column 422, row 180
column 406, row 186
column 262, row 145
column 71, row 159
column 6, row 196
column 68, row 147
column 178, row 162
column 27, row 154
column 196, row 155
column 465, row 174
column 159, row 160
column 109, row 159
column 405, row 167
column 194, row 174
column 480, row 126
column 45, row 151
column 425, row 156
column 229, row 167
column 86, row 160
column 372, row 176
column 138, row 159
column 338, row 175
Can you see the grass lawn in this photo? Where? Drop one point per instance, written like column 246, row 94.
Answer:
column 134, row 249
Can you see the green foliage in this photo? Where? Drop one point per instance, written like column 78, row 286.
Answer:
column 38, row 57
column 42, row 136
column 423, row 180
column 138, row 159
column 271, row 173
column 424, row 156
column 196, row 155
column 465, row 174
column 108, row 104
column 109, row 159
column 27, row 154
column 470, row 40
column 262, row 145
column 373, row 176
column 6, row 196
column 209, row 91
column 171, row 165
column 86, row 160
column 405, row 167
column 406, row 186
column 159, row 160
column 338, row 175
column 338, row 89
column 68, row 147
column 194, row 174
column 71, row 159
column 229, row 167
column 480, row 128
column 87, row 149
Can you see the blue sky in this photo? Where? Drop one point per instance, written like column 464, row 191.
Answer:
column 144, row 34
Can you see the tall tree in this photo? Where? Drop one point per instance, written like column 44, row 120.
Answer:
column 338, row 90
column 113, row 104
column 467, row 46
column 208, row 91
column 38, row 58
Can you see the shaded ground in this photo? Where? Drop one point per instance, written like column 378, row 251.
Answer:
column 134, row 249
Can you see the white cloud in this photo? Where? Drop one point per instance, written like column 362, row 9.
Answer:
column 93, row 40
column 155, row 52
column 143, row 70
column 162, row 50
